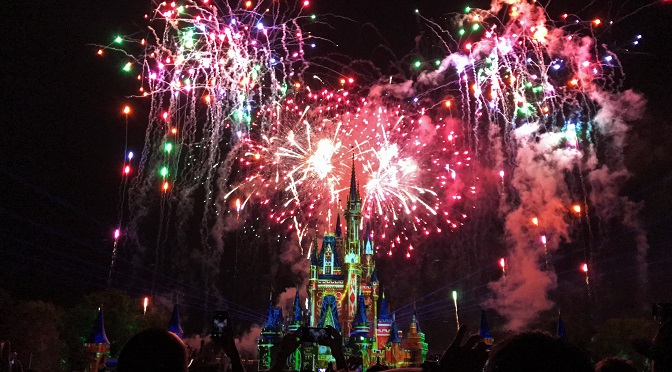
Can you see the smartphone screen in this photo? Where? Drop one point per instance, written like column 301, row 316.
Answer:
column 313, row 334
column 220, row 323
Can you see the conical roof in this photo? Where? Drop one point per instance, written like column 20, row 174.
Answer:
column 484, row 330
column 384, row 315
column 561, row 332
column 97, row 335
column 174, row 325
column 338, row 231
column 297, row 317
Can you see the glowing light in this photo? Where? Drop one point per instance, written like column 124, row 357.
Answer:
column 543, row 239
column 163, row 172
column 145, row 303
column 584, row 268
column 502, row 263
column 597, row 22
column 447, row 104
column 100, row 52
column 248, row 4
column 501, row 173
column 165, row 186
column 417, row 64
column 127, row 169
column 127, row 110
column 118, row 40
column 168, row 147
column 455, row 295
column 127, row 67
column 130, row 155
column 117, row 233
column 576, row 208
column 535, row 221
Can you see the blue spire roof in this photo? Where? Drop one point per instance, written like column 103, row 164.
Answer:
column 374, row 276
column 360, row 321
column 278, row 317
column 394, row 333
column 338, row 231
column 270, row 317
column 174, row 325
column 328, row 241
column 98, row 335
column 297, row 316
column 384, row 315
column 561, row 333
column 484, row 330
column 353, row 181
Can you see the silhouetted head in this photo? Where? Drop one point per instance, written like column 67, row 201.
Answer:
column 614, row 364
column 153, row 350
column 536, row 352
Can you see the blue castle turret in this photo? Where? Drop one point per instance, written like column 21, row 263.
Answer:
column 97, row 335
column 360, row 324
column 561, row 332
column 174, row 325
column 484, row 330
column 96, row 346
column 297, row 316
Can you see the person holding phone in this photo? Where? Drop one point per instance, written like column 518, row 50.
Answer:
column 222, row 336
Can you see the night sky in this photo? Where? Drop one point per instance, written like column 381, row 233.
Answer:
column 63, row 130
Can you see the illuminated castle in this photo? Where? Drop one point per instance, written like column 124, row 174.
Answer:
column 343, row 292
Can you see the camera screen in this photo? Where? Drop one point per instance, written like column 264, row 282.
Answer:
column 220, row 322
column 313, row 334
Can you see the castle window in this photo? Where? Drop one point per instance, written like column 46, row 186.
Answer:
column 328, row 262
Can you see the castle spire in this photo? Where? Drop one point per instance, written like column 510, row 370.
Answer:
column 338, row 231
column 353, row 182
column 561, row 333
column 270, row 321
column 297, row 308
column 174, row 325
column 360, row 323
column 394, row 333
column 384, row 315
column 97, row 335
column 368, row 244
column 484, row 330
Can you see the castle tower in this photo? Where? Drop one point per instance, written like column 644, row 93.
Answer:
column 271, row 336
column 373, row 316
column 484, row 330
column 97, row 345
column 368, row 265
column 338, row 232
column 174, row 325
column 297, row 316
column 415, row 344
column 384, row 325
column 353, row 216
column 312, row 284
